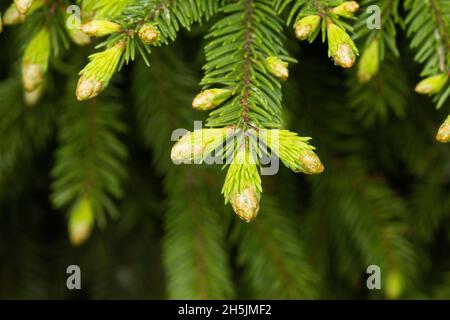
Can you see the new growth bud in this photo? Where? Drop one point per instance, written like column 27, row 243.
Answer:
column 394, row 285
column 98, row 72
column 194, row 146
column 100, row 28
column 246, row 204
column 443, row 134
column 32, row 76
column 345, row 56
column 88, row 88
column 23, row 5
column 370, row 62
column 81, row 222
column 35, row 60
column 12, row 16
column 79, row 37
column 277, row 67
column 341, row 47
column 306, row 27
column 186, row 149
column 310, row 163
column 346, row 9
column 149, row 33
column 32, row 98
column 210, row 99
column 432, row 85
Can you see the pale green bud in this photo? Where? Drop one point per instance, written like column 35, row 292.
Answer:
column 370, row 62
column 277, row 67
column 394, row 285
column 186, row 149
column 81, row 222
column 309, row 163
column 432, row 85
column 32, row 76
column 193, row 146
column 149, row 33
column 35, row 60
column 341, row 47
column 12, row 16
column 98, row 72
column 443, row 134
column 78, row 37
column 246, row 204
column 74, row 30
column 210, row 99
column 305, row 27
column 23, row 5
column 100, row 28
column 346, row 9
column 345, row 57
column 32, row 98
column 88, row 88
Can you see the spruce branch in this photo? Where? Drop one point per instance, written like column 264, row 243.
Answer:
column 138, row 25
column 240, row 44
column 243, row 72
column 28, row 130
column 377, row 40
column 385, row 93
column 312, row 17
column 431, row 39
column 195, row 254
column 376, row 220
column 89, row 167
column 277, row 255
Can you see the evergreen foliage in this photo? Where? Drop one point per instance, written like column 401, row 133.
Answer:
column 86, row 150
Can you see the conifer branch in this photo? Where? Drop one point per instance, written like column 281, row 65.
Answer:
column 278, row 255
column 89, row 167
column 431, row 39
column 26, row 129
column 235, row 58
column 377, row 38
column 385, row 93
column 192, row 221
column 195, row 258
column 376, row 220
column 310, row 18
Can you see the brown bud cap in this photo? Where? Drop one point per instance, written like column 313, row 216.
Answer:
column 306, row 26
column 12, row 16
column 88, row 88
column 100, row 28
column 23, row 5
column 246, row 204
column 149, row 34
column 310, row 163
column 32, row 76
column 210, row 99
column 443, row 134
column 185, row 150
column 32, row 98
column 345, row 57
column 277, row 67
